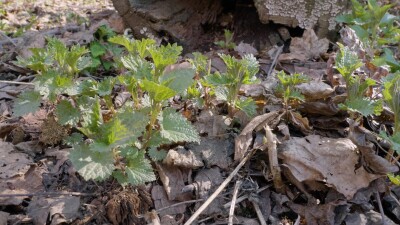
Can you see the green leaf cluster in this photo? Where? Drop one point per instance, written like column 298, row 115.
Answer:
column 373, row 24
column 287, row 87
column 228, row 42
column 226, row 85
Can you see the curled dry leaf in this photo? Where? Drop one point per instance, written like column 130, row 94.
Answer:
column 160, row 199
column 244, row 49
column 244, row 140
column 319, row 108
column 297, row 120
column 172, row 179
column 315, row 90
column 183, row 158
column 307, row 47
column 327, row 160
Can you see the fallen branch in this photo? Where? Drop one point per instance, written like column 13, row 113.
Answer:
column 233, row 203
column 220, row 188
column 45, row 194
column 277, row 54
column 273, row 160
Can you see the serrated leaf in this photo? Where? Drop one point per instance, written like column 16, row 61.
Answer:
column 97, row 49
column 364, row 106
column 347, row 62
column 247, row 105
column 67, row 113
column 124, row 41
column 105, row 86
column 27, row 102
column 178, row 79
column 156, row 140
column 221, row 93
column 140, row 68
column 157, row 155
column 139, row 170
column 164, row 55
column 74, row 139
column 92, row 120
column 92, row 165
column 217, row 79
column 135, row 122
column 157, row 92
column 176, row 128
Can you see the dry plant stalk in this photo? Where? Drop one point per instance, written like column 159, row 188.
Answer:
column 273, row 160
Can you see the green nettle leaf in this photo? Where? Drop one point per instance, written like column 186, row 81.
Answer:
column 217, row 79
column 40, row 60
column 221, row 93
column 363, row 106
column 347, row 61
column 157, row 155
column 134, row 121
column 164, row 55
column 97, row 49
column 156, row 140
column 138, row 169
column 67, row 113
column 143, row 46
column 92, row 120
column 88, row 87
column 124, row 41
column 105, row 86
column 27, row 102
column 176, row 128
column 157, row 92
column 247, row 105
column 74, row 139
column 92, row 165
column 178, row 79
column 140, row 68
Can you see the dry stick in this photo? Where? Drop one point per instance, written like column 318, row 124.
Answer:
column 277, row 54
column 258, row 211
column 273, row 160
column 46, row 193
column 233, row 203
column 297, row 220
column 241, row 199
column 378, row 199
column 178, row 204
column 14, row 82
column 220, row 188
column 8, row 38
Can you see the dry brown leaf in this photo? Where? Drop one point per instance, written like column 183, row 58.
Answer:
column 315, row 90
column 172, row 179
column 327, row 160
column 214, row 151
column 244, row 49
column 244, row 140
column 307, row 47
column 319, row 108
column 323, row 214
column 297, row 120
column 13, row 163
column 160, row 199
column 58, row 210
column 207, row 181
column 183, row 158
column 3, row 217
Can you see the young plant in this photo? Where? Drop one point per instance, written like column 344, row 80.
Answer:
column 228, row 42
column 356, row 102
column 287, row 87
column 373, row 24
column 114, row 141
column 226, row 85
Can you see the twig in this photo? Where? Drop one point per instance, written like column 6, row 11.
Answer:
column 220, row 188
column 297, row 220
column 178, row 204
column 46, row 193
column 378, row 199
column 233, row 203
column 8, row 38
column 241, row 199
column 273, row 160
column 394, row 198
column 258, row 211
column 277, row 54
column 15, row 82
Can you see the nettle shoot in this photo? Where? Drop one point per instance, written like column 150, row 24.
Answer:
column 113, row 141
column 226, row 85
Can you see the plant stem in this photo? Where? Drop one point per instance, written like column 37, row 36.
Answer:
column 156, row 109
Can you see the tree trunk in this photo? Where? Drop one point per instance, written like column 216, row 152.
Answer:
column 186, row 21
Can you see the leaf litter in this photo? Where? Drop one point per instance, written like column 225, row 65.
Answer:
column 328, row 171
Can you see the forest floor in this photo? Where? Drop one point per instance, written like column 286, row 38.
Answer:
column 333, row 165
